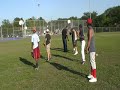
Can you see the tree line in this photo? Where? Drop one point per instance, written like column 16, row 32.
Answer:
column 110, row 18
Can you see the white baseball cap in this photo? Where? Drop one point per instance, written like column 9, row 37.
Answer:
column 47, row 30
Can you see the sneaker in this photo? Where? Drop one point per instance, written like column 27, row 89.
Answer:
column 83, row 62
column 76, row 53
column 93, row 80
column 90, row 76
column 36, row 68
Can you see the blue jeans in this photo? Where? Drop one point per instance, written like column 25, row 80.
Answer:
column 65, row 45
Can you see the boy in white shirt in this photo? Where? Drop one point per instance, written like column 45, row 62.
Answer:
column 35, row 47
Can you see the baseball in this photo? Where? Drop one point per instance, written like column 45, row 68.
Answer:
column 96, row 54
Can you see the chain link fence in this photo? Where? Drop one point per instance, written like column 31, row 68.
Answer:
column 55, row 27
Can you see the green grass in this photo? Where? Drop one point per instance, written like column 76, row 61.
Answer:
column 64, row 71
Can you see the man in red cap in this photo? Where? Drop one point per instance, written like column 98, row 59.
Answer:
column 90, row 48
column 35, row 47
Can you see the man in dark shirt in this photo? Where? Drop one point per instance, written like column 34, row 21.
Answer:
column 64, row 38
column 47, row 44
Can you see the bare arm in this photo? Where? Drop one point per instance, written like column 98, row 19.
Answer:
column 38, row 44
column 32, row 46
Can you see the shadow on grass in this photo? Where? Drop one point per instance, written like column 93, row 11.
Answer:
column 61, row 67
column 25, row 61
column 65, row 57
column 59, row 49
column 42, row 57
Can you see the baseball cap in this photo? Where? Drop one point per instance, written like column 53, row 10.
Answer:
column 47, row 30
column 34, row 29
column 89, row 21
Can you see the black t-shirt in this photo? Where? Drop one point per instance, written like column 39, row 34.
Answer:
column 47, row 37
column 73, row 35
column 81, row 34
column 64, row 33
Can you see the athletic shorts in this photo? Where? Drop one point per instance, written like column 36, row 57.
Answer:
column 36, row 53
column 48, row 47
column 75, row 43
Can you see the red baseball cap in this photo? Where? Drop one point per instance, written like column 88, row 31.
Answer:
column 89, row 21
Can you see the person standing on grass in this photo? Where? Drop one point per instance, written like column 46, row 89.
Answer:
column 82, row 40
column 90, row 48
column 47, row 44
column 74, row 40
column 65, row 38
column 35, row 47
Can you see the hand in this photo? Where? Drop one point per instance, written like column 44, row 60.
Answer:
column 86, row 50
column 32, row 54
column 44, row 44
column 31, row 50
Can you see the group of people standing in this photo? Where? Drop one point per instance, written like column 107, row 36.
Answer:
column 76, row 35
column 90, row 46
column 85, row 48
column 35, row 46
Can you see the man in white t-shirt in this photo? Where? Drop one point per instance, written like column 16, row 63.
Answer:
column 35, row 47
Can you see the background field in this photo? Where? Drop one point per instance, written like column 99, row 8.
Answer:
column 64, row 71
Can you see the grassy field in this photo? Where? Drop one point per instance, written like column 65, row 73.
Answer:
column 64, row 71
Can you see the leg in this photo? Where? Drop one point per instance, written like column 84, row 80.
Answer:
column 75, row 45
column 93, row 63
column 36, row 57
column 64, row 44
column 93, row 67
column 83, row 50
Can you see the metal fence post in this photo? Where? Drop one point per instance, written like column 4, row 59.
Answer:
column 1, row 32
column 13, row 30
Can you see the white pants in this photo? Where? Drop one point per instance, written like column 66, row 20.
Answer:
column 92, row 60
column 83, row 49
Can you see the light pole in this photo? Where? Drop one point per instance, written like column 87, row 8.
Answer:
column 21, row 22
column 1, row 32
column 89, row 9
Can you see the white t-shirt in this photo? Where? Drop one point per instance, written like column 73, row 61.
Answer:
column 35, row 39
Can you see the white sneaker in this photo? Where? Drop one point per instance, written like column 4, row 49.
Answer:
column 76, row 53
column 83, row 62
column 93, row 80
column 90, row 76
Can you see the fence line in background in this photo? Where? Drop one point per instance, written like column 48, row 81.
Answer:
column 55, row 27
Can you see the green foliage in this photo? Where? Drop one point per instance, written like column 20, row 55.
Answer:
column 32, row 22
column 111, row 17
column 16, row 22
column 6, row 23
column 87, row 15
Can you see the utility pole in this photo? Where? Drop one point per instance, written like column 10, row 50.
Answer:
column 89, row 9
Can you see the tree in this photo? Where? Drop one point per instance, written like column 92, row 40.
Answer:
column 86, row 15
column 111, row 17
column 33, row 22
column 16, row 22
column 6, row 23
